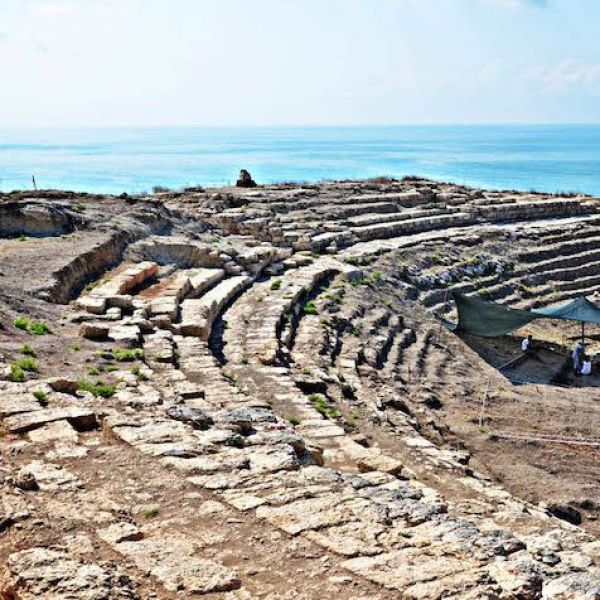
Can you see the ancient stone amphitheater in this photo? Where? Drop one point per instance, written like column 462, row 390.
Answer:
column 246, row 394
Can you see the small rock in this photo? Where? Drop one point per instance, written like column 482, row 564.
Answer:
column 26, row 481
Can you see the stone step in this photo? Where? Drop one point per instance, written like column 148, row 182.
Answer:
column 407, row 199
column 399, row 228
column 530, row 210
column 198, row 315
column 375, row 218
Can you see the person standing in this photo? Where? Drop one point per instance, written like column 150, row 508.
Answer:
column 576, row 355
column 527, row 344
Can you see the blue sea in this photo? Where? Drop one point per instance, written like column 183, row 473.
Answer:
column 556, row 158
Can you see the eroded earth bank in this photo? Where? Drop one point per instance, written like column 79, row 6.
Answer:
column 245, row 393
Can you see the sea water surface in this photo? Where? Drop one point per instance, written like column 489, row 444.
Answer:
column 551, row 158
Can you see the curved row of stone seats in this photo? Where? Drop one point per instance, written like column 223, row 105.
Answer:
column 393, row 532
column 198, row 315
column 341, row 517
column 114, row 291
column 575, row 241
column 530, row 210
column 258, row 325
column 554, row 261
column 407, row 227
column 406, row 199
column 564, row 273
column 376, row 218
column 163, row 300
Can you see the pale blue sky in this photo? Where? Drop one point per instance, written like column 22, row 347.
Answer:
column 296, row 62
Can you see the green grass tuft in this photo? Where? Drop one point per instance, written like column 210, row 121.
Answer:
column 99, row 388
column 139, row 374
column 27, row 350
column 35, row 327
column 127, row 354
column 41, row 397
column 17, row 374
column 310, row 308
column 27, row 363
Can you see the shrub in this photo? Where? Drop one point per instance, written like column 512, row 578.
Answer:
column 333, row 297
column 41, row 397
column 35, row 327
column 139, row 375
column 79, row 207
column 21, row 323
column 76, row 347
column 16, row 373
column 150, row 513
column 127, row 354
column 93, row 371
column 376, row 276
column 99, row 388
column 356, row 329
column 230, row 376
column 310, row 308
column 322, row 406
column 294, row 420
column 39, row 328
column 27, row 350
column 28, row 363
column 275, row 285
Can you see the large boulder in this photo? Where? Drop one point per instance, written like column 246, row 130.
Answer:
column 245, row 180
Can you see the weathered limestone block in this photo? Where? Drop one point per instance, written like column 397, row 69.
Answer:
column 574, row 586
column 94, row 330
column 57, row 431
column 156, row 432
column 197, row 315
column 44, row 573
column 13, row 403
column 125, row 335
column 281, row 457
column 95, row 305
column 350, row 539
column 120, row 532
column 50, row 477
column 402, row 569
column 13, row 509
column 126, row 280
column 80, row 418
column 172, row 561
column 316, row 513
column 227, row 460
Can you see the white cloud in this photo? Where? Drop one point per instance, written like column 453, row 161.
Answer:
column 563, row 76
column 53, row 8
column 521, row 3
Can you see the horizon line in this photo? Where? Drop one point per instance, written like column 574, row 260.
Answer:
column 306, row 125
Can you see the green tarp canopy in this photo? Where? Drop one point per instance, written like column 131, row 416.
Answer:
column 489, row 319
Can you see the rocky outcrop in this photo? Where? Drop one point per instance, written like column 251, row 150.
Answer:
column 245, row 180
